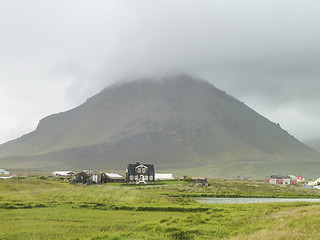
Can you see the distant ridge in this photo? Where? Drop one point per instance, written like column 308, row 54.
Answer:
column 179, row 123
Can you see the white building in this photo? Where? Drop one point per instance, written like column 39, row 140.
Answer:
column 113, row 175
column 63, row 174
column 164, row 176
column 4, row 172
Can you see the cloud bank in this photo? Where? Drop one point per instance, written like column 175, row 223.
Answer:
column 56, row 54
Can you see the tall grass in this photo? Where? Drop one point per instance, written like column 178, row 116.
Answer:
column 34, row 209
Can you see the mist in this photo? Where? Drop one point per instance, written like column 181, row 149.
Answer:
column 56, row 54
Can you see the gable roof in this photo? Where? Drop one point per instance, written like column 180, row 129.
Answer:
column 113, row 175
column 277, row 176
column 131, row 168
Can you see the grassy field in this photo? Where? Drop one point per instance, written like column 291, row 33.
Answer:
column 40, row 209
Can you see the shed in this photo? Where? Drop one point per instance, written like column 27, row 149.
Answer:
column 4, row 172
column 82, row 177
column 114, row 177
column 98, row 178
column 164, row 176
column 63, row 174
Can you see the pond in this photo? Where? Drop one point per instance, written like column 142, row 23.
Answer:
column 254, row 200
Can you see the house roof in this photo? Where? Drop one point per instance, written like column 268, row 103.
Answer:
column 131, row 168
column 292, row 177
column 114, row 175
column 276, row 176
column 62, row 173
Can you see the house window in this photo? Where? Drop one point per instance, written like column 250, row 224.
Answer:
column 143, row 170
column 131, row 177
column 138, row 170
column 146, row 178
column 151, row 178
column 136, row 177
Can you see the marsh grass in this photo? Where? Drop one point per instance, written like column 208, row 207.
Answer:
column 40, row 209
column 65, row 222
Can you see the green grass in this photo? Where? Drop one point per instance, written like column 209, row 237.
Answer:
column 238, row 188
column 36, row 209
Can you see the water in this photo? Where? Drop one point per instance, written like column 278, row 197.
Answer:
column 254, row 200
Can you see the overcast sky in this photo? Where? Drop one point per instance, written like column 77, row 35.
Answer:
column 54, row 54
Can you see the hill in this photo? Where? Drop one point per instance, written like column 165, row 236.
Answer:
column 180, row 124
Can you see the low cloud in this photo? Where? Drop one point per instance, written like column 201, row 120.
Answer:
column 54, row 55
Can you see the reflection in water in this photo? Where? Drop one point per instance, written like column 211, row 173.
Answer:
column 254, row 200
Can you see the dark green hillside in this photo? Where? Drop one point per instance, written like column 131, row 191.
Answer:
column 178, row 123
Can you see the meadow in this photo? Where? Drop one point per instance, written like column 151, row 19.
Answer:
column 43, row 209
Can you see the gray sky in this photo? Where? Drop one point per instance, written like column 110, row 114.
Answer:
column 54, row 54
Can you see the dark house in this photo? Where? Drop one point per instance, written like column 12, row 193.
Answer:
column 140, row 173
column 82, row 177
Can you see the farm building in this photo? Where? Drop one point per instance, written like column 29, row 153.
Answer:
column 164, row 176
column 140, row 173
column 63, row 174
column 81, row 177
column 113, row 177
column 99, row 178
column 279, row 179
column 88, row 177
column 4, row 172
column 285, row 181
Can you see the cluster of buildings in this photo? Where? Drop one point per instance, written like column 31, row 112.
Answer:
column 286, row 180
column 135, row 174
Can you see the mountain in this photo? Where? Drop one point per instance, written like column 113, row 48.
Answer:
column 181, row 124
column 315, row 144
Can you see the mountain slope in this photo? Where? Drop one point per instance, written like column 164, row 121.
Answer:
column 315, row 144
column 177, row 123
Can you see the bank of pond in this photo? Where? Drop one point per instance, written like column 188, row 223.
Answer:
column 247, row 200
